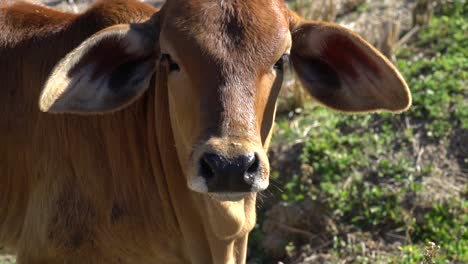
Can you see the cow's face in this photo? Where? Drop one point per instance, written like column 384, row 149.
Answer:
column 223, row 64
column 225, row 68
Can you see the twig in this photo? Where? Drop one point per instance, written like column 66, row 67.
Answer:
column 296, row 230
column 326, row 244
column 407, row 36
column 396, row 236
column 418, row 158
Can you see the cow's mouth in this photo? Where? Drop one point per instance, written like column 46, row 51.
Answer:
column 228, row 197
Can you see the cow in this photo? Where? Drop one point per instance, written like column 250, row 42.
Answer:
column 136, row 135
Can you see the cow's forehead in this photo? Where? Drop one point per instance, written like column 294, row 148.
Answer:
column 241, row 31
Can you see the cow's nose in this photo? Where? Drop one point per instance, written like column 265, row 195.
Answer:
column 224, row 174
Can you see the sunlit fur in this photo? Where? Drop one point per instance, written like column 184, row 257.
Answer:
column 99, row 188
column 237, row 42
column 79, row 189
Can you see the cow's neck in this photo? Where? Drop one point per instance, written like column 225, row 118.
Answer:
column 213, row 232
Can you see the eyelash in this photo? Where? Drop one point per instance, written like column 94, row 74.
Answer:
column 279, row 65
column 173, row 66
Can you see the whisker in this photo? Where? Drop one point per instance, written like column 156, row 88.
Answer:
column 277, row 185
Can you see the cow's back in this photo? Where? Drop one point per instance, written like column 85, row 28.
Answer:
column 32, row 40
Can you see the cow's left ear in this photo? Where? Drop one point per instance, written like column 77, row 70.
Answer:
column 105, row 73
column 343, row 71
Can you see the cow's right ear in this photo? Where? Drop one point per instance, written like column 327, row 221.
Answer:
column 105, row 73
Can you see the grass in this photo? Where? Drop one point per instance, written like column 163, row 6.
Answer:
column 376, row 174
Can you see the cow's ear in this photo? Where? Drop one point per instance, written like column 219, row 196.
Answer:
column 105, row 73
column 343, row 71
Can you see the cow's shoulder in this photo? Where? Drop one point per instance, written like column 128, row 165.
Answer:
column 119, row 12
column 22, row 20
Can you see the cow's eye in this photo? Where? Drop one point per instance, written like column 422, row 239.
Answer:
column 279, row 65
column 173, row 66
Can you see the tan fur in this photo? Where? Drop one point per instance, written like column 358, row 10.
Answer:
column 52, row 211
column 115, row 187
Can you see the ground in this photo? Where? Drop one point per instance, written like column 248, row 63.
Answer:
column 377, row 188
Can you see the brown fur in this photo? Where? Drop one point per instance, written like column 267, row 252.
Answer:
column 51, row 210
column 114, row 188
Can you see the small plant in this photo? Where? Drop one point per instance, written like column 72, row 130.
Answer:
column 431, row 252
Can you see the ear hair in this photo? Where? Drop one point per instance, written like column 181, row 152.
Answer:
column 106, row 73
column 344, row 72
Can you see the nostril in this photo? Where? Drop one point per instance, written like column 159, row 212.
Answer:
column 205, row 169
column 229, row 174
column 254, row 166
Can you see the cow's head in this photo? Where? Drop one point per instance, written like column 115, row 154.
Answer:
column 223, row 62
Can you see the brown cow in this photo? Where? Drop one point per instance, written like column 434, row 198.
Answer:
column 130, row 135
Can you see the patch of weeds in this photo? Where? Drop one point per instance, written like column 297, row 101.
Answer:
column 428, row 254
column 446, row 224
column 410, row 254
column 365, row 169
column 436, row 68
column 363, row 7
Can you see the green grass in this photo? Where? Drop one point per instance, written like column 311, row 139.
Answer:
column 365, row 169
column 437, row 67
